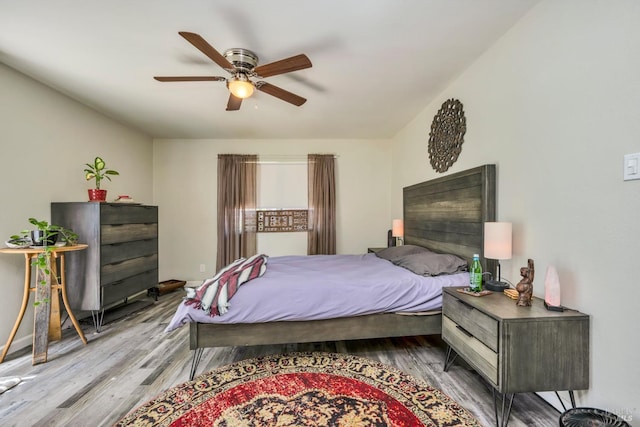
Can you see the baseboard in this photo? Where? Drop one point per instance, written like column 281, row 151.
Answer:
column 20, row 344
column 193, row 283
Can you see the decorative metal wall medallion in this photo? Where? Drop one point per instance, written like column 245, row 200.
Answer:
column 447, row 135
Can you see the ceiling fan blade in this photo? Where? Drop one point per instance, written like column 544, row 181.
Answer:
column 191, row 79
column 287, row 96
column 208, row 50
column 234, row 103
column 295, row 63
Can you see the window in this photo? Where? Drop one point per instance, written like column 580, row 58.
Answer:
column 282, row 185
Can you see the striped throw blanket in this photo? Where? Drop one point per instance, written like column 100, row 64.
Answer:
column 214, row 294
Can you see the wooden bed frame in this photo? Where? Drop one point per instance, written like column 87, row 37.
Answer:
column 445, row 214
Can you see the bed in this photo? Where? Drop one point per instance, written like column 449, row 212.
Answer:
column 445, row 215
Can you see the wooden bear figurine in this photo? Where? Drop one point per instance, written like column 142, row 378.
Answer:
column 525, row 286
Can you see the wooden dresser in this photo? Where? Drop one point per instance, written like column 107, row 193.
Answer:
column 122, row 257
column 517, row 349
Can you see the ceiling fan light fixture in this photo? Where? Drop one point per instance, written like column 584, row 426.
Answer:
column 240, row 88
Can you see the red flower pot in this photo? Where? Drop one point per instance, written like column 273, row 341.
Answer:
column 97, row 195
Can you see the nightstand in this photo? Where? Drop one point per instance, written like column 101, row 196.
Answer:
column 516, row 349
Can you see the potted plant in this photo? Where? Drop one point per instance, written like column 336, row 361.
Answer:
column 65, row 235
column 98, row 171
column 18, row 241
column 44, row 234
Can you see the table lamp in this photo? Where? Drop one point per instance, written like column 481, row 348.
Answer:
column 397, row 230
column 497, row 245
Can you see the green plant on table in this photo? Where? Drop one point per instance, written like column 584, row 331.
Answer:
column 98, row 172
column 42, row 226
column 65, row 235
column 42, row 262
column 21, row 239
column 48, row 230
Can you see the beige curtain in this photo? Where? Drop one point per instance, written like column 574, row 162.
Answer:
column 322, row 205
column 236, row 207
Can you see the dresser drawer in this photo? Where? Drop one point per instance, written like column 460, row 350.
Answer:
column 127, row 232
column 121, row 289
column 117, row 252
column 477, row 323
column 481, row 357
column 126, row 214
column 121, row 270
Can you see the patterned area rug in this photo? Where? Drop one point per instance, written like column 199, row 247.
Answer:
column 302, row 389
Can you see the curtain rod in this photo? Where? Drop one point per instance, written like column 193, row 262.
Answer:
column 285, row 158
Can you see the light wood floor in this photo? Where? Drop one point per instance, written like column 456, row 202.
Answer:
column 131, row 360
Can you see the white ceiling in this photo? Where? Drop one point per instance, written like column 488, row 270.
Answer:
column 376, row 63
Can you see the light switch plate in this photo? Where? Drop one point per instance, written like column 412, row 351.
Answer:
column 631, row 166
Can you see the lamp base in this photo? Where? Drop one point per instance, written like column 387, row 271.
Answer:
column 495, row 286
column 553, row 307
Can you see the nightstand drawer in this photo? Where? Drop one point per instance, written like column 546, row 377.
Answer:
column 480, row 325
column 481, row 357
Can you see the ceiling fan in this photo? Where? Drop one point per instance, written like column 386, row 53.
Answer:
column 242, row 64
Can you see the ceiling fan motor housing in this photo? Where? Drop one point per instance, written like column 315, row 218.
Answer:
column 243, row 59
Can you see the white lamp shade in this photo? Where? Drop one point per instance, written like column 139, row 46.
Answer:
column 397, row 229
column 240, row 88
column 497, row 240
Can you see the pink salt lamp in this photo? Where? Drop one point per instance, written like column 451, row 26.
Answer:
column 552, row 290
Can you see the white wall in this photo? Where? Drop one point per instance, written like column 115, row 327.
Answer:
column 185, row 185
column 45, row 140
column 555, row 105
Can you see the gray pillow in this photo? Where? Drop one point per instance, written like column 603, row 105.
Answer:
column 432, row 264
column 395, row 253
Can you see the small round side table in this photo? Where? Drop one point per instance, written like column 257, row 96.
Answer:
column 46, row 325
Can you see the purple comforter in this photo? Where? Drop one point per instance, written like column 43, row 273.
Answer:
column 327, row 286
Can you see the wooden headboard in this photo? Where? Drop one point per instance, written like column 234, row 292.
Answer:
column 447, row 214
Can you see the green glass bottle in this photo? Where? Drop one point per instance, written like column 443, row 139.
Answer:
column 475, row 275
